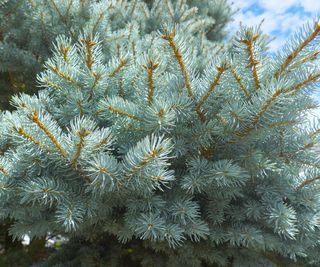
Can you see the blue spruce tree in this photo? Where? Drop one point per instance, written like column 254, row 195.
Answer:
column 29, row 28
column 161, row 148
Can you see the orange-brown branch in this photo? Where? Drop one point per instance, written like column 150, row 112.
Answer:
column 89, row 44
column 298, row 49
column 134, row 52
column 211, row 89
column 120, row 87
column 104, row 141
column 316, row 132
column 258, row 116
column 82, row 8
column 36, row 120
column 65, row 76
column 239, row 80
column 64, row 51
column 82, row 135
column 311, row 78
column 308, row 181
column 150, row 67
column 118, row 68
column 101, row 15
column 97, row 77
column 312, row 56
column 123, row 113
column 178, row 56
column 28, row 136
column 253, row 63
column 148, row 158
column 281, row 123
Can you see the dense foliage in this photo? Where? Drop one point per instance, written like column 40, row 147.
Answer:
column 29, row 27
column 177, row 150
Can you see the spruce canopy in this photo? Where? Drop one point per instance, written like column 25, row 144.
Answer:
column 201, row 150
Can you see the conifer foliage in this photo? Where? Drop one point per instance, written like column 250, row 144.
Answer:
column 28, row 29
column 202, row 154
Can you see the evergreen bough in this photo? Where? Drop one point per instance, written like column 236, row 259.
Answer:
column 179, row 157
column 29, row 27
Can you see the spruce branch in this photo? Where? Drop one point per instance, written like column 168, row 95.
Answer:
column 252, row 61
column 282, row 123
column 239, row 81
column 65, row 76
column 121, row 87
column 63, row 19
column 315, row 133
column 169, row 37
column 123, row 113
column 170, row 8
column 298, row 49
column 134, row 52
column 89, row 44
column 149, row 157
column 29, row 137
column 310, row 57
column 97, row 77
column 64, row 51
column 69, row 7
column 313, row 77
column 82, row 133
column 307, row 182
column 260, row 113
column 100, row 18
column 36, row 120
column 82, row 8
column 122, row 63
column 150, row 67
column 103, row 172
column 150, row 150
column 221, row 69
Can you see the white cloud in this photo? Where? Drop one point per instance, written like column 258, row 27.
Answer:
column 311, row 5
column 279, row 20
column 276, row 6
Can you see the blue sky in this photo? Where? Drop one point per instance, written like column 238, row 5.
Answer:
column 281, row 17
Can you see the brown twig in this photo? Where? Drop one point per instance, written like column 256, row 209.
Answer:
column 28, row 136
column 65, row 76
column 213, row 85
column 120, row 87
column 118, row 68
column 257, row 117
column 311, row 78
column 82, row 135
column 150, row 67
column 148, row 158
column 169, row 37
column 239, row 80
column 308, row 181
column 89, row 44
column 58, row 11
column 36, row 120
column 253, row 63
column 123, row 113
